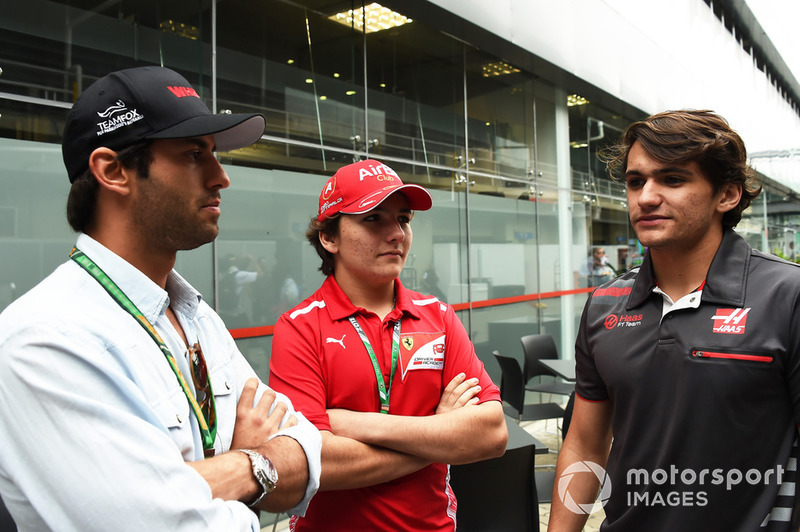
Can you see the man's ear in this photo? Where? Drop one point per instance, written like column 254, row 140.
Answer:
column 729, row 197
column 109, row 172
column 329, row 242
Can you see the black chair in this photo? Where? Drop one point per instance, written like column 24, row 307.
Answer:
column 6, row 522
column 536, row 347
column 512, row 391
column 499, row 494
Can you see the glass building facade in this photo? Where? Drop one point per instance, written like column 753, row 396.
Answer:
column 508, row 154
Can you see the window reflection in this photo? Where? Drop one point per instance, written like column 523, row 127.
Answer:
column 333, row 94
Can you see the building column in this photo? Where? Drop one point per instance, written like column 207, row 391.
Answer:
column 564, row 177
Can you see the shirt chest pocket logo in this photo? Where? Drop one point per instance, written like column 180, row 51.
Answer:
column 730, row 320
column 422, row 351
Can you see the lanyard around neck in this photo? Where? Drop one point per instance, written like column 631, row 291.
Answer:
column 383, row 391
column 209, row 434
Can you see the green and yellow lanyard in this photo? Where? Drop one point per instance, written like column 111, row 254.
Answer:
column 208, row 433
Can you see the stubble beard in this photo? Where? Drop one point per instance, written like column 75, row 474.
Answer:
column 171, row 224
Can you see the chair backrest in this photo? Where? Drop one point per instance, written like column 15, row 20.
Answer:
column 536, row 347
column 512, row 387
column 497, row 495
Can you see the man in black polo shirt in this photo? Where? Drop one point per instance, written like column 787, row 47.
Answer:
column 690, row 362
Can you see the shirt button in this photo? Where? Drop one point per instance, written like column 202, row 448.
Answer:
column 228, row 386
column 178, row 417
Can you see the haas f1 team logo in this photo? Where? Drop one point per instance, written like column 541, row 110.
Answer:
column 613, row 321
column 730, row 320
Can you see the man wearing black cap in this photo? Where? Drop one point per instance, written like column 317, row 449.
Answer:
column 122, row 390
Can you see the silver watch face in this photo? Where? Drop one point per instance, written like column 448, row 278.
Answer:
column 272, row 473
column 265, row 472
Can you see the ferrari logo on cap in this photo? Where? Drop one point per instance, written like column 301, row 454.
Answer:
column 408, row 343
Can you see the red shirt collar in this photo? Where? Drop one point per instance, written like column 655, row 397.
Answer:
column 340, row 307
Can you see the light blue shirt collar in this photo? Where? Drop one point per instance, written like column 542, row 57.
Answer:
column 151, row 300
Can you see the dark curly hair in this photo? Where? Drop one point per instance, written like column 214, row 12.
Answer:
column 329, row 226
column 684, row 136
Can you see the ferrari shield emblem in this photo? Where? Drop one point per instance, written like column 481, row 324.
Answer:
column 408, row 342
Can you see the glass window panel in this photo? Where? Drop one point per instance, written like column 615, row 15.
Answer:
column 262, row 235
column 440, row 248
column 34, row 233
column 500, row 107
column 52, row 50
column 415, row 85
column 256, row 351
column 303, row 71
column 593, row 129
column 504, row 268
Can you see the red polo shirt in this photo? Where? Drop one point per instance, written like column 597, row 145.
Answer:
column 320, row 362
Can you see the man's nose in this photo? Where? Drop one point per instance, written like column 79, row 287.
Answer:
column 396, row 232
column 217, row 176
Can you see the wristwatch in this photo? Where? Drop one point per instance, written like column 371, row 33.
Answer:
column 265, row 473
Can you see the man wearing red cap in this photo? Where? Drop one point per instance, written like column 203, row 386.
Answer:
column 388, row 375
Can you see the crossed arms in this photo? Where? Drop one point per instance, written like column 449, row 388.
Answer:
column 230, row 474
column 367, row 448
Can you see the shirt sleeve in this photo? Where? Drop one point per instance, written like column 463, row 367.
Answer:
column 588, row 385
column 103, row 458
column 295, row 369
column 310, row 440
column 303, row 433
column 461, row 357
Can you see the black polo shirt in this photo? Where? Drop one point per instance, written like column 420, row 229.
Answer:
column 705, row 401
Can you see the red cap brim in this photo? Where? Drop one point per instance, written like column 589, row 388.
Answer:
column 419, row 199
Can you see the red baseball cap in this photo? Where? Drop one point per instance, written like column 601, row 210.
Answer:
column 360, row 187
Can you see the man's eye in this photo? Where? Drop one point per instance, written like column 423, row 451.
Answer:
column 633, row 183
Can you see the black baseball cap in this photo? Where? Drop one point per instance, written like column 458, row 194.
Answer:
column 129, row 106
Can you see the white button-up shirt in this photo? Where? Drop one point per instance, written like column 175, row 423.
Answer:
column 94, row 426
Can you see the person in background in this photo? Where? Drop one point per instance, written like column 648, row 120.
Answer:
column 430, row 283
column 789, row 251
column 237, row 296
column 388, row 375
column 596, row 270
column 690, row 362
column 126, row 404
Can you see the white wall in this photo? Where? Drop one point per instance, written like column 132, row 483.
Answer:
column 653, row 55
